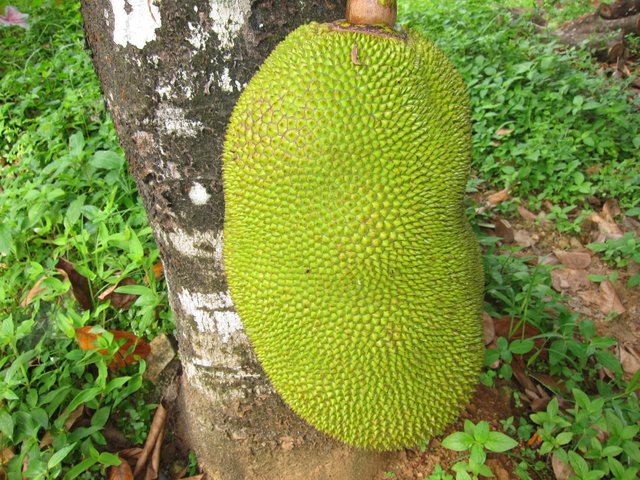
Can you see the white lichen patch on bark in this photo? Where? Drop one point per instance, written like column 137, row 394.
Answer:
column 198, row 37
column 173, row 121
column 228, row 18
column 198, row 194
column 138, row 25
column 225, row 81
column 180, row 85
column 211, row 312
column 202, row 244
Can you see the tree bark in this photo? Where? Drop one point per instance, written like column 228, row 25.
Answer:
column 171, row 72
column 604, row 30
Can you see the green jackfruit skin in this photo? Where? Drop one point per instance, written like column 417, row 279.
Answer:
column 348, row 254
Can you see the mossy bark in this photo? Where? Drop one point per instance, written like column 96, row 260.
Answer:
column 171, row 73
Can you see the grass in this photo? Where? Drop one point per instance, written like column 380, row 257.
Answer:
column 64, row 193
column 568, row 131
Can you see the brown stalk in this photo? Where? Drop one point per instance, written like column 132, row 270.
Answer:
column 372, row 12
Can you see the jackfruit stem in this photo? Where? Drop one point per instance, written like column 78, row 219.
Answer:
column 372, row 12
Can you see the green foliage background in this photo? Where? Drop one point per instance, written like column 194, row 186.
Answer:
column 65, row 193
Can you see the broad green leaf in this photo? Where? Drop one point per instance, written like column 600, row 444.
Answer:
column 612, row 451
column 60, row 455
column 83, row 466
column 481, row 432
column 82, row 397
column 458, row 441
column 521, row 347
column 499, row 442
column 109, row 459
column 6, row 424
column 6, row 240
column 564, row 437
column 107, row 159
column 100, row 417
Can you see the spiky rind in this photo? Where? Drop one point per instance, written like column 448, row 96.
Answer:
column 347, row 250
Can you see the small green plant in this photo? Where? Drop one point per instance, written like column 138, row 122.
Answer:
column 477, row 439
column 439, row 474
column 620, row 252
column 597, row 437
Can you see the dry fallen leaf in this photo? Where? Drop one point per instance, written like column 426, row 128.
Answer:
column 87, row 341
column 497, row 198
column 73, row 418
column 155, row 432
column 162, row 352
column 526, row 214
column 121, row 472
column 609, row 300
column 574, row 259
column 524, row 238
column 119, row 300
column 70, row 421
column 33, row 292
column 131, row 454
column 561, row 470
column 630, row 360
column 504, row 230
column 489, row 328
column 610, row 210
column 608, row 229
column 563, row 279
column 79, row 284
column 503, row 131
column 153, row 468
column 517, row 364
column 158, row 272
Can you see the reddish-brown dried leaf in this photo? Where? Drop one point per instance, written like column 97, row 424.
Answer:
column 609, row 300
column 119, row 300
column 526, row 214
column 131, row 454
column 79, row 284
column 153, row 468
column 158, row 272
column 87, row 341
column 6, row 454
column 504, row 230
column 121, row 472
column 503, row 131
column 608, row 229
column 630, row 360
column 497, row 198
column 575, row 259
column 33, row 292
column 73, row 418
column 504, row 325
column 518, row 367
column 524, row 238
column 489, row 328
column 155, row 431
column 553, row 384
column 610, row 210
column 561, row 470
column 563, row 279
column 535, row 440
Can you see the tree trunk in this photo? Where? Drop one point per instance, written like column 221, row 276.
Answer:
column 604, row 30
column 171, row 73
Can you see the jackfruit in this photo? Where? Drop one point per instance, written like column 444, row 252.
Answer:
column 346, row 246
